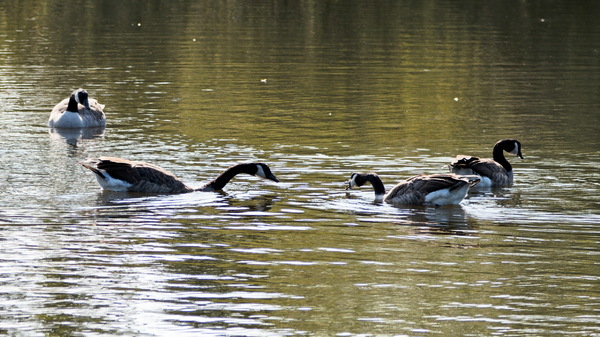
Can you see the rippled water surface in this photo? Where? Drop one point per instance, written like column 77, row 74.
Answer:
column 317, row 90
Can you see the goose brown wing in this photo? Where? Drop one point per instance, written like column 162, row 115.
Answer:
column 133, row 171
column 95, row 114
column 57, row 111
column 60, row 107
column 161, row 179
column 118, row 168
column 486, row 167
column 143, row 177
column 434, row 182
column 95, row 105
column 481, row 166
column 424, row 184
column 404, row 193
column 414, row 190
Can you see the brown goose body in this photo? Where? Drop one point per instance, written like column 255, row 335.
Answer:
column 118, row 174
column 494, row 172
column 435, row 189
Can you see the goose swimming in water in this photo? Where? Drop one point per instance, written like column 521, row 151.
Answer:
column 122, row 175
column 435, row 189
column 494, row 172
column 77, row 111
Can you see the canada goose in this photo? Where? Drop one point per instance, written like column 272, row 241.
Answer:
column 122, row 175
column 77, row 111
column 494, row 172
column 435, row 189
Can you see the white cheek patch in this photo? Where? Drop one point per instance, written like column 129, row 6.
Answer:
column 260, row 172
column 515, row 151
column 352, row 181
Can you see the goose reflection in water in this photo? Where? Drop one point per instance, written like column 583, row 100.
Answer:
column 441, row 218
column 73, row 135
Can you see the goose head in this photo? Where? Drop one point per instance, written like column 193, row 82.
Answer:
column 263, row 171
column 352, row 183
column 81, row 97
column 360, row 179
column 512, row 146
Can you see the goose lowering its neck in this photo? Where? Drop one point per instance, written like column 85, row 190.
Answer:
column 494, row 172
column 435, row 189
column 77, row 111
column 122, row 175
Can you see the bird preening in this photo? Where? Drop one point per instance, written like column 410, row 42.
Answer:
column 496, row 172
column 77, row 111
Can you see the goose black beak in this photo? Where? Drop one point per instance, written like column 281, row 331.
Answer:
column 272, row 177
column 348, row 185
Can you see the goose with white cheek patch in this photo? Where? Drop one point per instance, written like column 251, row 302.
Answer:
column 435, row 189
column 77, row 111
column 122, row 175
column 496, row 172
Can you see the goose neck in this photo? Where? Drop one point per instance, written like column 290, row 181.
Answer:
column 498, row 156
column 222, row 179
column 376, row 183
column 73, row 105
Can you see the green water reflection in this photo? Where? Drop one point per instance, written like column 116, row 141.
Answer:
column 405, row 74
column 319, row 89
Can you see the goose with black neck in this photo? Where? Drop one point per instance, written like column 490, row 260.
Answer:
column 435, row 189
column 122, row 175
column 496, row 172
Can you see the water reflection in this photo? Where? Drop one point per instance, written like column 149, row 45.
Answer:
column 73, row 135
column 256, row 204
column 448, row 217
column 451, row 216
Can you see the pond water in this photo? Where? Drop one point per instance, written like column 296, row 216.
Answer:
column 318, row 90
